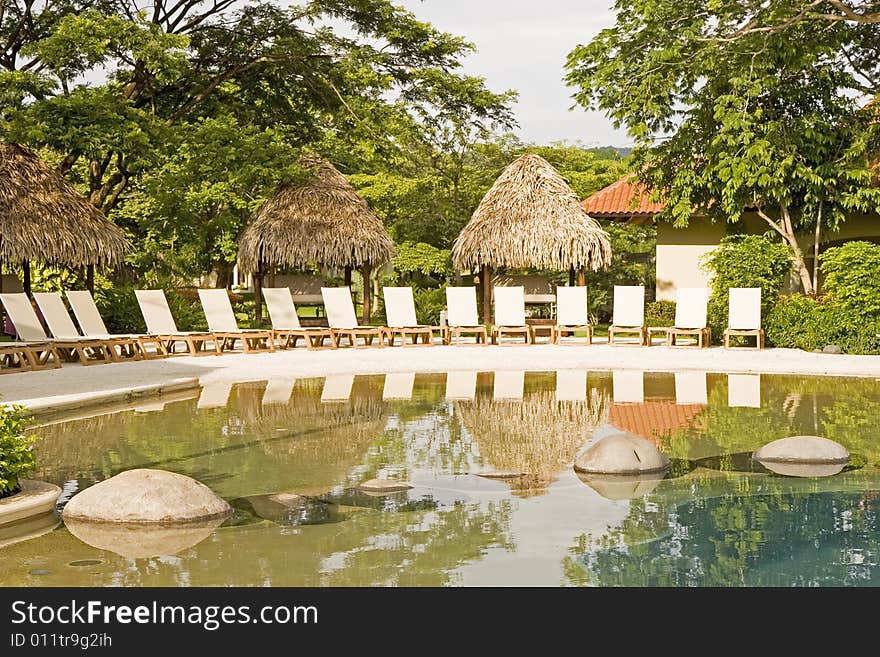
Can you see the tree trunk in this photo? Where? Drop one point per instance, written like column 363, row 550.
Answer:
column 786, row 229
column 26, row 277
column 486, row 284
column 365, row 272
column 582, row 277
column 817, row 235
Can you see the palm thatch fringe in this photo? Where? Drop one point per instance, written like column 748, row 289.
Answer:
column 531, row 217
column 541, row 435
column 43, row 218
column 320, row 222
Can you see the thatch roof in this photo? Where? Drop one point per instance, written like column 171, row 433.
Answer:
column 44, row 218
column 322, row 221
column 541, row 435
column 530, row 217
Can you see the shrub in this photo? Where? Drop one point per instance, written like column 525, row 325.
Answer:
column 801, row 322
column 745, row 261
column 120, row 310
column 16, row 455
column 429, row 302
column 851, row 277
column 660, row 313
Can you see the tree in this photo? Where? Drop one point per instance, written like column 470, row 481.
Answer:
column 765, row 121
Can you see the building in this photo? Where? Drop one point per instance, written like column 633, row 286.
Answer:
column 679, row 250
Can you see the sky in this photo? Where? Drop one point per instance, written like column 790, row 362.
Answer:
column 522, row 45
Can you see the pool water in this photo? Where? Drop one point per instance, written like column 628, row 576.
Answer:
column 716, row 519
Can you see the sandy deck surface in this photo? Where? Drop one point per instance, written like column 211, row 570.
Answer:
column 73, row 383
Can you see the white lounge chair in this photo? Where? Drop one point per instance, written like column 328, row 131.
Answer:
column 627, row 387
column 629, row 312
column 400, row 315
column 510, row 315
column 690, row 388
column 744, row 390
column 31, row 332
column 343, row 321
column 572, row 313
column 398, row 385
column 461, row 315
column 286, row 328
column 337, row 387
column 571, row 385
column 222, row 323
column 691, row 305
column 92, row 325
column 744, row 315
column 508, row 385
column 160, row 322
column 461, row 384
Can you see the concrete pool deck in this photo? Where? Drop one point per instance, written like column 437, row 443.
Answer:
column 75, row 386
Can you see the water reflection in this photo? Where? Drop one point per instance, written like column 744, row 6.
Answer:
column 315, row 438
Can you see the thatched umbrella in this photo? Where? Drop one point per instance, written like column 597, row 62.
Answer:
column 322, row 221
column 44, row 218
column 530, row 217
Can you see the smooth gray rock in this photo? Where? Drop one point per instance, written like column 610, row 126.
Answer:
column 622, row 453
column 384, row 486
column 147, row 496
column 831, row 349
column 802, row 449
column 803, row 469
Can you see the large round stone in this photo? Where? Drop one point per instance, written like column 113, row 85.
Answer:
column 622, row 487
column 802, row 449
column 622, row 453
column 147, row 496
column 142, row 541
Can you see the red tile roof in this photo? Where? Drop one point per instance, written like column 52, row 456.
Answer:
column 624, row 197
column 653, row 419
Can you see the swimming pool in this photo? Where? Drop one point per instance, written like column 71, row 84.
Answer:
column 716, row 519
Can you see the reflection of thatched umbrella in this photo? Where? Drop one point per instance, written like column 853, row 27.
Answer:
column 530, row 217
column 537, row 437
column 43, row 218
column 322, row 221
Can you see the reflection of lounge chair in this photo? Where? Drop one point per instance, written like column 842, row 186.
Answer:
column 571, row 385
column 285, row 321
column 92, row 325
column 215, row 394
column 222, row 323
column 160, row 322
column 629, row 312
column 572, row 313
column 628, row 387
column 461, row 384
column 400, row 315
column 278, row 391
column 49, row 350
column 398, row 385
column 690, row 388
column 744, row 315
column 343, row 321
column 508, row 385
column 510, row 315
column 337, row 387
column 461, row 315
column 744, row 390
column 690, row 317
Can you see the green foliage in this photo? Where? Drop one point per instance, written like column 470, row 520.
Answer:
column 16, row 454
column 802, row 322
column 660, row 313
column 851, row 277
column 423, row 258
column 429, row 302
column 745, row 261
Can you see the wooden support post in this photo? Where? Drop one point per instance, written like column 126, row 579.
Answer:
column 348, row 277
column 365, row 272
column 486, row 283
column 26, row 277
column 90, row 279
column 571, row 277
column 582, row 277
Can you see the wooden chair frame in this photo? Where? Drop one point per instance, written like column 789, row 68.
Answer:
column 558, row 331
column 757, row 333
column 642, row 332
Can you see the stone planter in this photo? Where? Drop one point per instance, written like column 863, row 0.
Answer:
column 35, row 498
